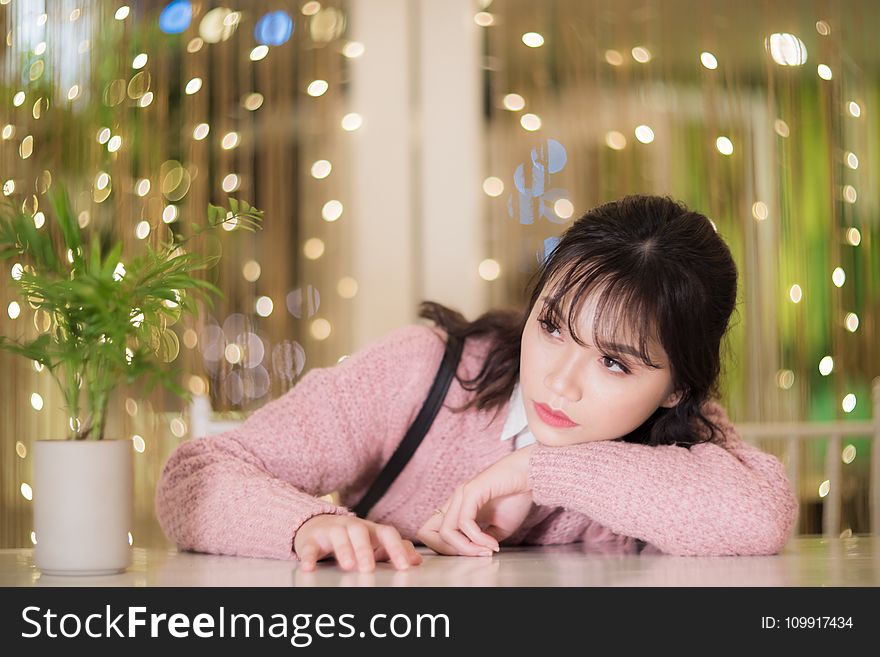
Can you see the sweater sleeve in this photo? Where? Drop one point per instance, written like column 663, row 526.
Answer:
column 724, row 497
column 248, row 490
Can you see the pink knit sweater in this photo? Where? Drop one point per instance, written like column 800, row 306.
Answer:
column 248, row 490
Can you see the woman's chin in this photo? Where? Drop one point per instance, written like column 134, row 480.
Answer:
column 557, row 441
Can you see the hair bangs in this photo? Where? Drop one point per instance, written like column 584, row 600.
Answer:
column 623, row 317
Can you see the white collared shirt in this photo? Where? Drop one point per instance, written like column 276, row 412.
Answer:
column 516, row 426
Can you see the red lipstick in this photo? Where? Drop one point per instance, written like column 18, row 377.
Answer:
column 556, row 419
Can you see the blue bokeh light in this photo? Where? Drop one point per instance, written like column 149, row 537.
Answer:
column 549, row 245
column 176, row 17
column 274, row 28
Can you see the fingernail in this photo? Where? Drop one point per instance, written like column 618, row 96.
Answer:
column 486, row 553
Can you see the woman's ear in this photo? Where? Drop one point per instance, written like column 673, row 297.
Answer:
column 672, row 399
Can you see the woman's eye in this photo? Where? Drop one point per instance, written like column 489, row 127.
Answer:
column 549, row 327
column 621, row 370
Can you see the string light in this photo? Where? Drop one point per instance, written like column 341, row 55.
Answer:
column 851, row 321
column 484, row 19
column 230, row 140
column 347, row 287
column 641, row 54
column 253, row 102
column 231, row 182
column 259, row 53
column 724, row 145
column 320, row 329
column 615, row 140
column 781, row 128
column 613, row 57
column 264, row 306
column 332, row 210
column 514, row 102
column 644, row 134
column 313, row 248
column 311, row 8
column 351, row 122
column 193, row 86
column 201, row 131
column 251, row 271
column 759, row 210
column 353, row 49
column 708, row 60
column 493, row 186
column 321, row 169
column 489, row 269
column 786, row 49
column 533, row 39
column 530, row 122
column 563, row 208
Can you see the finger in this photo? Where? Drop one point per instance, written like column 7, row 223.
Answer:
column 429, row 535
column 435, row 542
column 362, row 541
column 451, row 534
column 309, row 556
column 342, row 547
column 467, row 514
column 390, row 538
column 412, row 555
column 380, row 553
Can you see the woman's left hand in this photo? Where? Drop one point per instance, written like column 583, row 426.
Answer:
column 499, row 498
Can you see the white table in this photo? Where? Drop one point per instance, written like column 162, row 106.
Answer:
column 805, row 561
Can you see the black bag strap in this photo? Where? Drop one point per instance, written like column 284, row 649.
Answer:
column 418, row 429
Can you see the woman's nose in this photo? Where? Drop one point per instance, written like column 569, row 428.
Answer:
column 563, row 383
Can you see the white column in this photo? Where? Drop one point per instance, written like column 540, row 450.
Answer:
column 453, row 231
column 382, row 227
column 417, row 160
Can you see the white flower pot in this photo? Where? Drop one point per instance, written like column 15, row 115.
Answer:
column 82, row 497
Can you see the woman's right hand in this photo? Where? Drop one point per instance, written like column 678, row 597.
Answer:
column 353, row 541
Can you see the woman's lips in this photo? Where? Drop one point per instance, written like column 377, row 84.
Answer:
column 554, row 419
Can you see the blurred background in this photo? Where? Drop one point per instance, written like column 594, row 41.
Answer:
column 434, row 149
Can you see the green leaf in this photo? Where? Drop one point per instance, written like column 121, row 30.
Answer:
column 67, row 222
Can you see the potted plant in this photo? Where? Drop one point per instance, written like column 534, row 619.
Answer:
column 104, row 318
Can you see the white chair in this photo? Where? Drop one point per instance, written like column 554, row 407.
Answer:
column 796, row 433
column 203, row 421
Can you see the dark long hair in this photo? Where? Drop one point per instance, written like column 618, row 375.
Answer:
column 659, row 269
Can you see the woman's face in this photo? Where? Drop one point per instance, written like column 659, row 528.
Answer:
column 605, row 395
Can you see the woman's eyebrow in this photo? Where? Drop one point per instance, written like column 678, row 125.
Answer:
column 612, row 346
